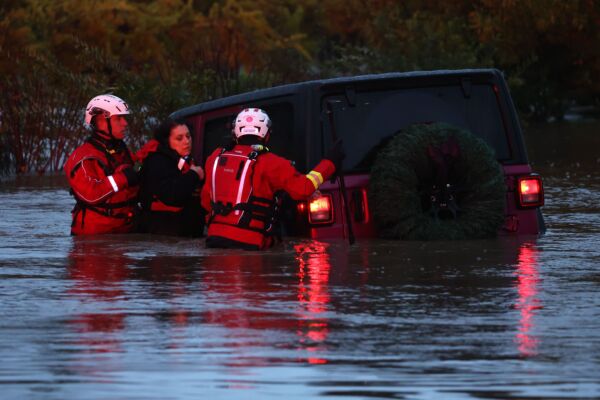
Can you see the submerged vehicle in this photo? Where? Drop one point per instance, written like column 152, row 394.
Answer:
column 429, row 155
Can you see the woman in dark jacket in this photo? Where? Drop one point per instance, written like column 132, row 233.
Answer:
column 169, row 190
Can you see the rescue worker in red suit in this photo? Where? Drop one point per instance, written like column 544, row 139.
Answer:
column 242, row 180
column 100, row 172
column 170, row 184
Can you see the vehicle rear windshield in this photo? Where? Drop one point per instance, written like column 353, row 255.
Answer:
column 377, row 116
column 217, row 131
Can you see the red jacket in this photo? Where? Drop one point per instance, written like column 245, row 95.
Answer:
column 104, row 186
column 268, row 173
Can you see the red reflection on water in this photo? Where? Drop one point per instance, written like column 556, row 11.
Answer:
column 527, row 302
column 97, row 276
column 245, row 286
column 238, row 294
column 168, row 279
column 313, row 295
column 98, row 330
column 236, row 281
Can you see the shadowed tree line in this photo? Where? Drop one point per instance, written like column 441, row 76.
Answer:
column 161, row 55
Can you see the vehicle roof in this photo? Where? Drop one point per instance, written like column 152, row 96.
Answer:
column 292, row 88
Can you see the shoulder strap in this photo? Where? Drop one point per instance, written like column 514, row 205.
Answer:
column 121, row 148
column 108, row 169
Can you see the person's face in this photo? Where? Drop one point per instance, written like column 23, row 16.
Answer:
column 180, row 140
column 118, row 125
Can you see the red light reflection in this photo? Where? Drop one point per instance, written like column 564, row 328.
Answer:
column 237, row 281
column 97, row 277
column 313, row 295
column 527, row 302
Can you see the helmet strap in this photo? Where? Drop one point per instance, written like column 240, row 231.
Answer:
column 109, row 128
column 107, row 135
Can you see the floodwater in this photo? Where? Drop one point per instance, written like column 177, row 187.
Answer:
column 139, row 317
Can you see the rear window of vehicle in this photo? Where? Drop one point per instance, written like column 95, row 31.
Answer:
column 217, row 132
column 377, row 116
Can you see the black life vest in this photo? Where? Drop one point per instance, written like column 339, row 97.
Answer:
column 183, row 165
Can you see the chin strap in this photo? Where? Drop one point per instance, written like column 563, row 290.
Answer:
column 109, row 127
column 109, row 134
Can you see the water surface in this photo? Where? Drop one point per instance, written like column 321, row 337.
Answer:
column 141, row 317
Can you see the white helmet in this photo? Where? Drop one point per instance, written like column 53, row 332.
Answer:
column 105, row 104
column 252, row 121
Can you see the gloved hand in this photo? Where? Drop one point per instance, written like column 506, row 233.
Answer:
column 336, row 155
column 132, row 177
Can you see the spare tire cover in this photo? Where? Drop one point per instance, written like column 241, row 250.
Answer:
column 426, row 162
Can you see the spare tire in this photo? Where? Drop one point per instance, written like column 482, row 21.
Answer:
column 436, row 182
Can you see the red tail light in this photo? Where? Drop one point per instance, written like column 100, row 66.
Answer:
column 530, row 191
column 320, row 210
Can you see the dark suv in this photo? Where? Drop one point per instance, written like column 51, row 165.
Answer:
column 369, row 112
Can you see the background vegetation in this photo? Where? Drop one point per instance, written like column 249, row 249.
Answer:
column 160, row 55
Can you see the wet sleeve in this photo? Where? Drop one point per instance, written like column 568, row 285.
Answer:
column 299, row 186
column 92, row 185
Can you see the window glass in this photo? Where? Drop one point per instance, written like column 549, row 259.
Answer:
column 282, row 137
column 217, row 131
column 378, row 115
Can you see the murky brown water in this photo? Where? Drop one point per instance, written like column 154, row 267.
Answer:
column 139, row 317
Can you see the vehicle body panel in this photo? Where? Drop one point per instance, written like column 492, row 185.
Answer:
column 367, row 111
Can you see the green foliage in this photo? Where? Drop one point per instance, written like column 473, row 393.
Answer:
column 41, row 113
column 160, row 55
column 547, row 49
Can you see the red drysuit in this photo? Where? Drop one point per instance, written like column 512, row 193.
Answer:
column 104, row 185
column 239, row 190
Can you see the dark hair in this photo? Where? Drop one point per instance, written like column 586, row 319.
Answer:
column 163, row 131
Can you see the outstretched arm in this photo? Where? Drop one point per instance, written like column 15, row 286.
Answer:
column 297, row 185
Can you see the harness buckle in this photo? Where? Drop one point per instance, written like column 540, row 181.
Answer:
column 219, row 208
